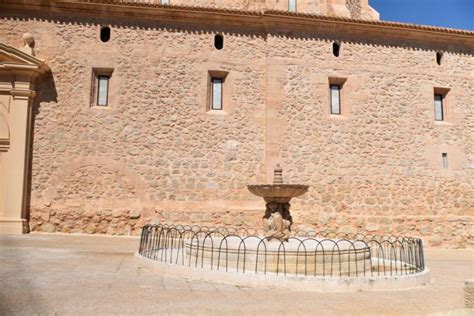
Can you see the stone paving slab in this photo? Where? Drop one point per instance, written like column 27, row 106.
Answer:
column 98, row 275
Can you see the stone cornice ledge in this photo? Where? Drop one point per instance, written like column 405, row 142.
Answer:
column 372, row 29
column 23, row 93
column 262, row 19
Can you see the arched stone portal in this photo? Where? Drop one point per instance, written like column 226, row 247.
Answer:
column 18, row 72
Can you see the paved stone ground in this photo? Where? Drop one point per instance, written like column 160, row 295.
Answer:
column 73, row 274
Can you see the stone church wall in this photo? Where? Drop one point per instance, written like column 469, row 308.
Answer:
column 156, row 151
column 157, row 154
column 378, row 167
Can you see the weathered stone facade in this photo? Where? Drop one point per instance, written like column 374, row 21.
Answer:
column 156, row 153
column 343, row 8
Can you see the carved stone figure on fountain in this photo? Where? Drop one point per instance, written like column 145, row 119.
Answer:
column 277, row 220
column 277, row 227
column 282, row 208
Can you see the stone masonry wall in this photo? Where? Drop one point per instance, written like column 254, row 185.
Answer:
column 356, row 9
column 156, row 151
column 303, row 6
column 157, row 154
column 378, row 167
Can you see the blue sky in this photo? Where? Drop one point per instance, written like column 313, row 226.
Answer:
column 458, row 14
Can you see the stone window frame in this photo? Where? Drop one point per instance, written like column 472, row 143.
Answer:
column 225, row 95
column 96, row 73
column 446, row 106
column 343, row 105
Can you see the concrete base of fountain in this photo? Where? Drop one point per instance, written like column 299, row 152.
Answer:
column 303, row 263
column 280, row 281
column 311, row 257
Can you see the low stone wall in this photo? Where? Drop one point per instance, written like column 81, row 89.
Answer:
column 130, row 222
column 112, row 222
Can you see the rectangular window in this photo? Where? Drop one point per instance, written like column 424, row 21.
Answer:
column 102, row 90
column 438, row 107
column 335, row 99
column 216, row 93
column 165, row 2
column 445, row 160
column 292, row 5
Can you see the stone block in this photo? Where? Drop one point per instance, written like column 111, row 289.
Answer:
column 469, row 293
column 135, row 214
column 435, row 241
column 48, row 228
column 372, row 227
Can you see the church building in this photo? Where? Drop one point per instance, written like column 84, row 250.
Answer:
column 119, row 113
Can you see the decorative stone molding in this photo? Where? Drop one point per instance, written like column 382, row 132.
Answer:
column 20, row 62
column 4, row 134
column 29, row 42
column 13, row 59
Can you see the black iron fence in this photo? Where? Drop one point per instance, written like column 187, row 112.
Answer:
column 323, row 254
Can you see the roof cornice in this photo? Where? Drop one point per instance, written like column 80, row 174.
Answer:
column 260, row 19
column 375, row 23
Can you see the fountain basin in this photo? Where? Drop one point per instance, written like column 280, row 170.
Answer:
column 311, row 256
column 278, row 191
column 305, row 263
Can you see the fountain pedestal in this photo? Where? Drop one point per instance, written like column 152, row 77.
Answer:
column 277, row 220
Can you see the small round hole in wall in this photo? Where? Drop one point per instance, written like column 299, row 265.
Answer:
column 439, row 58
column 105, row 34
column 336, row 48
column 219, row 41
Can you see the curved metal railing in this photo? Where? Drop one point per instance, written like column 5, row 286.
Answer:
column 325, row 254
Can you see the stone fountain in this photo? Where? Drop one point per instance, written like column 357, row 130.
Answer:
column 277, row 220
column 360, row 258
column 275, row 251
